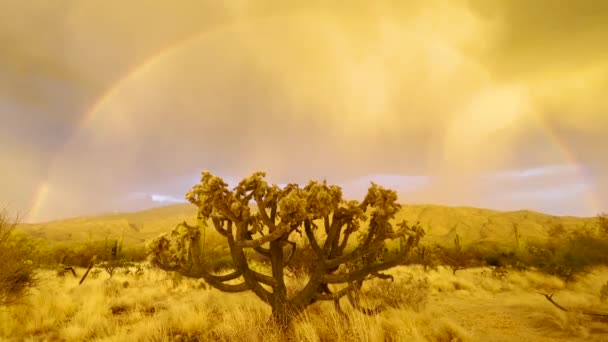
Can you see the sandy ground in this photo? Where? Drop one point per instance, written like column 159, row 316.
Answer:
column 500, row 320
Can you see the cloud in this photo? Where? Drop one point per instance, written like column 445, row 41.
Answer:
column 117, row 98
column 158, row 198
column 552, row 193
column 563, row 170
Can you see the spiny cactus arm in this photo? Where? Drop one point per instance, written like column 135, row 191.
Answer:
column 187, row 258
column 293, row 251
column 273, row 212
column 225, row 210
column 361, row 273
column 311, row 238
column 240, row 263
column 252, row 278
column 334, row 235
column 263, row 214
column 336, row 295
column 359, row 251
column 326, row 224
column 310, row 290
column 366, row 247
column 217, row 224
column 262, row 251
column 343, row 244
column 220, row 284
column 275, row 235
column 264, row 279
column 217, row 281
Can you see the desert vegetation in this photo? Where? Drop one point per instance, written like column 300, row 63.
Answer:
column 264, row 263
column 17, row 272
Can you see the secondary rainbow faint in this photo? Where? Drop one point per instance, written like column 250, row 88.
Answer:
column 569, row 157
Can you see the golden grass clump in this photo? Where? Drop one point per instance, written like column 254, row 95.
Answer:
column 427, row 307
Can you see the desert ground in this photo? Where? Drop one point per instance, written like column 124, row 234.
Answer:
column 436, row 305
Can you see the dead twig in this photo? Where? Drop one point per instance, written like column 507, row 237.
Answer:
column 596, row 315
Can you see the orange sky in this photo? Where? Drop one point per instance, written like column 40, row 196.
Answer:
column 113, row 105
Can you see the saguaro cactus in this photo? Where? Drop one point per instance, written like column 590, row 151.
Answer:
column 267, row 230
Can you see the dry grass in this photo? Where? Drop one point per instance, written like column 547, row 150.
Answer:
column 471, row 306
column 17, row 273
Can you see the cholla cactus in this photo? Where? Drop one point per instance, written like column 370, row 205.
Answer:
column 317, row 210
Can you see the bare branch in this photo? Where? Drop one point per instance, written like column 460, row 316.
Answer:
column 601, row 316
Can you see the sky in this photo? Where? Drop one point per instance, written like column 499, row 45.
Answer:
column 108, row 105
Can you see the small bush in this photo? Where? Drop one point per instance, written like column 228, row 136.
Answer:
column 499, row 273
column 457, row 259
column 569, row 256
column 17, row 270
column 79, row 254
column 427, row 256
column 95, row 273
column 402, row 293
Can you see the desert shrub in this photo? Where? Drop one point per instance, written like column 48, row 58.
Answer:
column 427, row 256
column 404, row 292
column 503, row 259
column 457, row 259
column 602, row 221
column 17, row 270
column 95, row 273
column 500, row 273
column 79, row 254
column 112, row 266
column 569, row 255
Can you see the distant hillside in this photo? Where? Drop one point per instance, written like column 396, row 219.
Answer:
column 137, row 226
column 475, row 225
column 441, row 224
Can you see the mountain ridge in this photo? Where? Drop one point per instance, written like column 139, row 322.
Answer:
column 440, row 222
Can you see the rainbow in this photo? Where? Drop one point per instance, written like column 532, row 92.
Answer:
column 569, row 157
column 41, row 194
column 89, row 116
